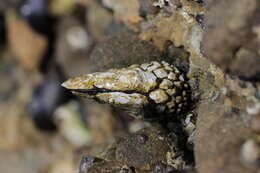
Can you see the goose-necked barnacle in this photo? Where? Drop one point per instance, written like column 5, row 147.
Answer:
column 146, row 90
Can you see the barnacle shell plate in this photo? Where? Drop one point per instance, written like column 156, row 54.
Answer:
column 151, row 86
column 118, row 98
column 133, row 79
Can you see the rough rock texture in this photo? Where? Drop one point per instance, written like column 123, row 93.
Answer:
column 231, row 39
column 226, row 139
column 72, row 46
column 29, row 47
column 224, row 104
column 222, row 110
column 222, row 124
column 148, row 150
column 122, row 50
column 126, row 10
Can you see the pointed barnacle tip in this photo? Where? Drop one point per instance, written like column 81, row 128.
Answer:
column 158, row 86
column 68, row 84
column 65, row 84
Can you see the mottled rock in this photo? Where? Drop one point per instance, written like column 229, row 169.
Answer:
column 29, row 47
column 98, row 19
column 145, row 150
column 220, row 127
column 112, row 52
column 182, row 28
column 127, row 11
column 147, row 8
column 255, row 123
column 250, row 154
column 72, row 46
column 231, row 40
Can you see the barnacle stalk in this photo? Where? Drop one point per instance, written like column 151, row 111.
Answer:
column 155, row 87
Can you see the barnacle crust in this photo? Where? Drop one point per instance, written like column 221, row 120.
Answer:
column 133, row 79
column 153, row 86
column 159, row 96
column 119, row 98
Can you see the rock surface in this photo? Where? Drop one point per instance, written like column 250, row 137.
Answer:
column 147, row 150
column 214, row 43
column 231, row 39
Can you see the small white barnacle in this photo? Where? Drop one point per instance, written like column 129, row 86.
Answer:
column 153, row 86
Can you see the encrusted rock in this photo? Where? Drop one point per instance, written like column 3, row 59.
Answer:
column 148, row 150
